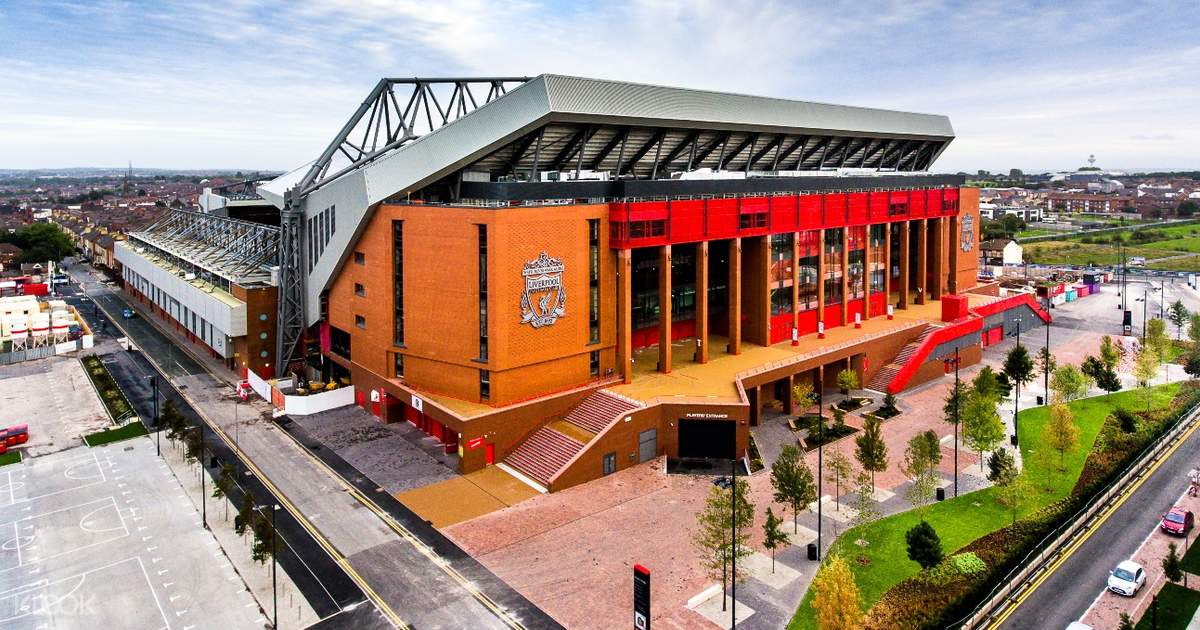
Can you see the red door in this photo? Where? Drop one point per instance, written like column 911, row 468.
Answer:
column 490, row 456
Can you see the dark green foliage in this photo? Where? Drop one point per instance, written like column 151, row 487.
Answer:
column 1172, row 568
column 924, row 546
column 40, row 242
column 1192, row 365
column 245, row 515
column 888, row 409
column 1126, row 420
column 1002, row 468
column 1018, row 366
column 264, row 538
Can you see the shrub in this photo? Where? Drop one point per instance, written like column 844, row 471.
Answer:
column 924, row 546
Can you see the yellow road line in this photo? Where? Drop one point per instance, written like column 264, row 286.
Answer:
column 1108, row 511
column 337, row 556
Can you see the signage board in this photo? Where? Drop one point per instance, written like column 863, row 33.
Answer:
column 418, row 404
column 641, row 597
column 474, row 443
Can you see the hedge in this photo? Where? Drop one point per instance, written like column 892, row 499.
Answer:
column 106, row 387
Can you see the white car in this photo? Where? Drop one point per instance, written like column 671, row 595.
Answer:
column 1127, row 578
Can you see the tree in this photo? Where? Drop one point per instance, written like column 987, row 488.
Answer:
column 847, row 380
column 1194, row 328
column 1018, row 367
column 1011, row 223
column 773, row 536
column 1061, row 434
column 714, row 534
column 40, row 242
column 1002, row 468
column 982, row 426
column 985, row 384
column 224, row 485
column 193, row 446
column 1110, row 355
column 1046, row 363
column 870, row 449
column 838, row 469
column 955, row 399
column 921, row 491
column 1178, row 314
column 888, row 409
column 1191, row 366
column 866, row 512
column 802, row 395
column 1171, row 564
column 1069, row 383
column 245, row 514
column 1145, row 366
column 1003, row 385
column 264, row 538
column 836, row 598
column 793, row 481
column 924, row 546
column 1156, row 338
column 173, row 420
column 1187, row 208
column 1015, row 493
column 1126, row 622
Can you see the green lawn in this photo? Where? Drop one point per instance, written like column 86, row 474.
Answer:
column 1190, row 264
column 1076, row 253
column 1037, row 232
column 1190, row 244
column 1176, row 606
column 11, row 457
column 961, row 520
column 131, row 430
column 1191, row 559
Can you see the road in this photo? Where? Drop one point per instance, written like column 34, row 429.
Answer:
column 413, row 579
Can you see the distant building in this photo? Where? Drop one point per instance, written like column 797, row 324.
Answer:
column 995, row 211
column 994, row 254
column 1090, row 203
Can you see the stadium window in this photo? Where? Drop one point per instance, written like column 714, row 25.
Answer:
column 594, row 363
column 752, row 220
column 483, row 291
column 610, row 464
column 360, row 258
column 897, row 208
column 398, row 365
column 360, row 321
column 360, row 290
column 593, row 281
column 485, row 385
column 397, row 282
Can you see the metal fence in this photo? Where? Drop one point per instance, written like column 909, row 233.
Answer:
column 1073, row 234
column 1051, row 546
column 8, row 358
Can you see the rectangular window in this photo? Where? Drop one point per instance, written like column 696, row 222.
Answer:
column 339, row 342
column 360, row 290
column 397, row 282
column 360, row 321
column 833, row 265
column 610, row 463
column 485, row 385
column 483, row 291
column 594, row 363
column 877, row 263
column 593, row 281
column 781, row 273
column 398, row 365
column 809, row 259
column 332, row 219
column 856, row 241
column 361, row 258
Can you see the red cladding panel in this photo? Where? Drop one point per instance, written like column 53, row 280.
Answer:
column 916, row 204
column 781, row 327
column 954, row 307
column 810, row 212
column 647, row 210
column 722, row 218
column 879, row 207
column 879, row 304
column 833, row 316
column 687, row 221
column 858, row 208
column 835, row 210
column 808, row 322
column 783, row 214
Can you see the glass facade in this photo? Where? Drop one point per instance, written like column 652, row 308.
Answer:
column 856, row 242
column 483, row 291
column 809, row 264
column 781, row 273
column 878, row 265
column 397, row 282
column 833, row 265
column 593, row 281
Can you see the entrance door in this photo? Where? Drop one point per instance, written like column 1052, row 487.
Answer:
column 490, row 454
column 709, row 439
column 647, row 445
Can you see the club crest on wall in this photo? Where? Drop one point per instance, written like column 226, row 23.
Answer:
column 544, row 300
column 968, row 232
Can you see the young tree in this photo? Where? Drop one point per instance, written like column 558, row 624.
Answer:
column 1110, row 355
column 1046, row 363
column 1126, row 622
column 932, row 447
column 1102, row 373
column 982, row 426
column 224, row 485
column 1018, row 367
column 1061, row 434
column 793, row 481
column 1144, row 369
column 1157, row 339
column 264, row 538
column 1003, row 385
column 1002, row 468
column 985, row 384
column 838, row 469
column 802, row 395
column 773, row 536
column 1191, row 366
column 866, row 512
column 870, row 449
column 193, row 445
column 888, row 409
column 847, row 380
column 1172, row 565
column 714, row 533
column 1015, row 493
column 245, row 514
column 921, row 491
column 174, row 421
column 836, row 598
column 1194, row 328
column 924, row 546
column 1178, row 314
column 1069, row 383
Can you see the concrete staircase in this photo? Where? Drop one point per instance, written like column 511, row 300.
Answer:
column 884, row 376
column 549, row 449
column 543, row 454
column 598, row 410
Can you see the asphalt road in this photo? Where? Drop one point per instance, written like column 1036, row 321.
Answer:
column 1065, row 595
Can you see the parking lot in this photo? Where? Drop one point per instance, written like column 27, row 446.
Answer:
column 54, row 397
column 105, row 538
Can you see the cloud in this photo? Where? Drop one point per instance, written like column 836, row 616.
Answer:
column 265, row 84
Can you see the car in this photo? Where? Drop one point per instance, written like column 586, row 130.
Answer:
column 1078, row 625
column 128, row 313
column 1127, row 578
column 1178, row 521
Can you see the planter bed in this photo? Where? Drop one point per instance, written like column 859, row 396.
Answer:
column 110, row 393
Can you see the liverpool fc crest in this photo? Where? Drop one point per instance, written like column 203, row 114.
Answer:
column 968, row 232
column 544, row 299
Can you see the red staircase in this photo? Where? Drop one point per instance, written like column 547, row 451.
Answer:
column 884, row 376
column 543, row 454
column 599, row 410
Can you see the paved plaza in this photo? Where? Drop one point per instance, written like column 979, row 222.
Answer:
column 55, row 398
column 105, row 538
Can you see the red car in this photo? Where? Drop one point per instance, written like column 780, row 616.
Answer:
column 1177, row 521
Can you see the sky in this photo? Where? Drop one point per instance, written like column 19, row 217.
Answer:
column 266, row 85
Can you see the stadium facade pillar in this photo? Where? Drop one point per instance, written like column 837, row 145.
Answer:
column 887, row 265
column 625, row 313
column 952, row 282
column 866, row 310
column 935, row 263
column 734, row 292
column 905, row 253
column 758, row 283
column 701, row 302
column 795, row 288
column 922, row 260
column 789, row 406
column 820, row 276
column 664, row 309
column 845, row 262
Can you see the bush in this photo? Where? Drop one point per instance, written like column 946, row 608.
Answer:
column 924, row 546
column 888, row 409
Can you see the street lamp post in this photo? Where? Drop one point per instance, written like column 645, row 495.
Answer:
column 157, row 429
column 733, row 541
column 820, row 399
column 1046, row 373
column 203, row 501
column 955, row 362
column 274, row 563
column 1016, row 393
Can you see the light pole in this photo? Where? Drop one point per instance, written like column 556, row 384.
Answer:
column 1016, row 393
column 274, row 562
column 203, row 501
column 820, row 399
column 733, row 540
column 1046, row 373
column 957, row 396
column 157, row 429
